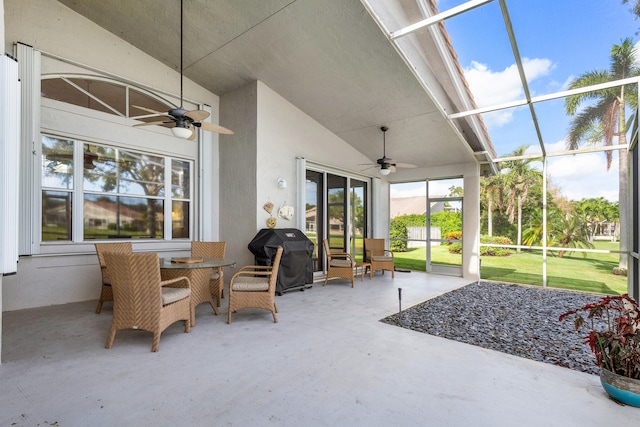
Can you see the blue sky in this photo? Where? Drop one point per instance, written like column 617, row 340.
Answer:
column 558, row 40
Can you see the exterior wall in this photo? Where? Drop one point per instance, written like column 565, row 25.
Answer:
column 270, row 133
column 284, row 134
column 238, row 158
column 49, row 278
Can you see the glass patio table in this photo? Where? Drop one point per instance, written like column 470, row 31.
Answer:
column 198, row 271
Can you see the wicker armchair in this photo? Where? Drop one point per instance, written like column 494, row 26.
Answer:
column 254, row 286
column 339, row 264
column 141, row 300
column 106, row 294
column 379, row 257
column 212, row 250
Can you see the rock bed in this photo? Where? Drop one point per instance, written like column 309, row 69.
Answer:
column 513, row 319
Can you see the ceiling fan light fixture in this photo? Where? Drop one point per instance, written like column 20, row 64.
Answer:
column 181, row 132
column 385, row 171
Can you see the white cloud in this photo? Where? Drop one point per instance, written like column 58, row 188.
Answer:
column 499, row 87
column 582, row 176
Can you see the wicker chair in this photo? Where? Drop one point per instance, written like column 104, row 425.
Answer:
column 254, row 286
column 212, row 250
column 379, row 257
column 106, row 294
column 339, row 264
column 141, row 300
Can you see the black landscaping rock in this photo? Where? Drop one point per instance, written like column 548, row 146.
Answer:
column 514, row 319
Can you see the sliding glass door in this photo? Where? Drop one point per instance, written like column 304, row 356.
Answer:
column 358, row 218
column 336, row 209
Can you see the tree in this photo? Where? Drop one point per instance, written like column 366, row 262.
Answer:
column 519, row 179
column 456, row 191
column 605, row 112
column 492, row 196
column 571, row 231
column 597, row 211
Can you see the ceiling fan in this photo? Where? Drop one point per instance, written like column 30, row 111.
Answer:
column 181, row 121
column 386, row 164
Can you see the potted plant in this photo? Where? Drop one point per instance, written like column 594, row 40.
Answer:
column 613, row 325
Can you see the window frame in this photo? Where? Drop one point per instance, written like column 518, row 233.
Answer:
column 78, row 193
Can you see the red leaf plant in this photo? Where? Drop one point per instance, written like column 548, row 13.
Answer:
column 615, row 341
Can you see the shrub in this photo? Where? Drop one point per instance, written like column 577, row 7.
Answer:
column 453, row 235
column 494, row 251
column 397, row 230
column 447, row 221
column 455, row 248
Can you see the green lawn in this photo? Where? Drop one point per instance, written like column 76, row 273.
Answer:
column 573, row 271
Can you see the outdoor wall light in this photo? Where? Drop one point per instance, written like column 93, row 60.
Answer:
column 282, row 183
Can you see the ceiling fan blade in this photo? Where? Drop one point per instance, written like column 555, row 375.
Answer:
column 406, row 165
column 392, row 168
column 149, row 110
column 214, row 128
column 193, row 133
column 197, row 115
column 153, row 123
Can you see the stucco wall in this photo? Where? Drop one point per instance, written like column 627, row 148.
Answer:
column 56, row 31
column 238, row 158
column 270, row 133
column 51, row 27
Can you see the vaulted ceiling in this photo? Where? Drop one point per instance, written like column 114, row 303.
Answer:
column 327, row 57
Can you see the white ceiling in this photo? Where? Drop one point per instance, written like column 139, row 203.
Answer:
column 327, row 57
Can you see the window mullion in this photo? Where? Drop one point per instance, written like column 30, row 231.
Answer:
column 77, row 197
column 168, row 219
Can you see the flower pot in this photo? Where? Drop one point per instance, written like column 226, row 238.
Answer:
column 623, row 389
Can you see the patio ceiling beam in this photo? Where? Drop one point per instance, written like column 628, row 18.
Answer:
column 437, row 18
column 548, row 97
column 521, row 73
column 562, row 153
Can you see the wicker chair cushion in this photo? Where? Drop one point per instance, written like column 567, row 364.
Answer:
column 215, row 275
column 106, row 281
column 382, row 258
column 341, row 263
column 250, row 284
column 170, row 295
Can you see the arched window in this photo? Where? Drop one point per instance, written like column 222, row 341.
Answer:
column 101, row 94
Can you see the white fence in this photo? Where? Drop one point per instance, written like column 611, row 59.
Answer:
column 417, row 236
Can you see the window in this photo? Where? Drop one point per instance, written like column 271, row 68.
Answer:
column 123, row 193
column 99, row 94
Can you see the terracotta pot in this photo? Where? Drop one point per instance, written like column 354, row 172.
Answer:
column 623, row 389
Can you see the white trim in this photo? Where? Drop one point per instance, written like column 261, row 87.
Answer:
column 301, row 197
column 9, row 163
column 30, row 203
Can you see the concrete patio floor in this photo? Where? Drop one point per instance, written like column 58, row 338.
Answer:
column 328, row 362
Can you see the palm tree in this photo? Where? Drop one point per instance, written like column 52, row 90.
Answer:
column 492, row 189
column 519, row 179
column 572, row 231
column 605, row 114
